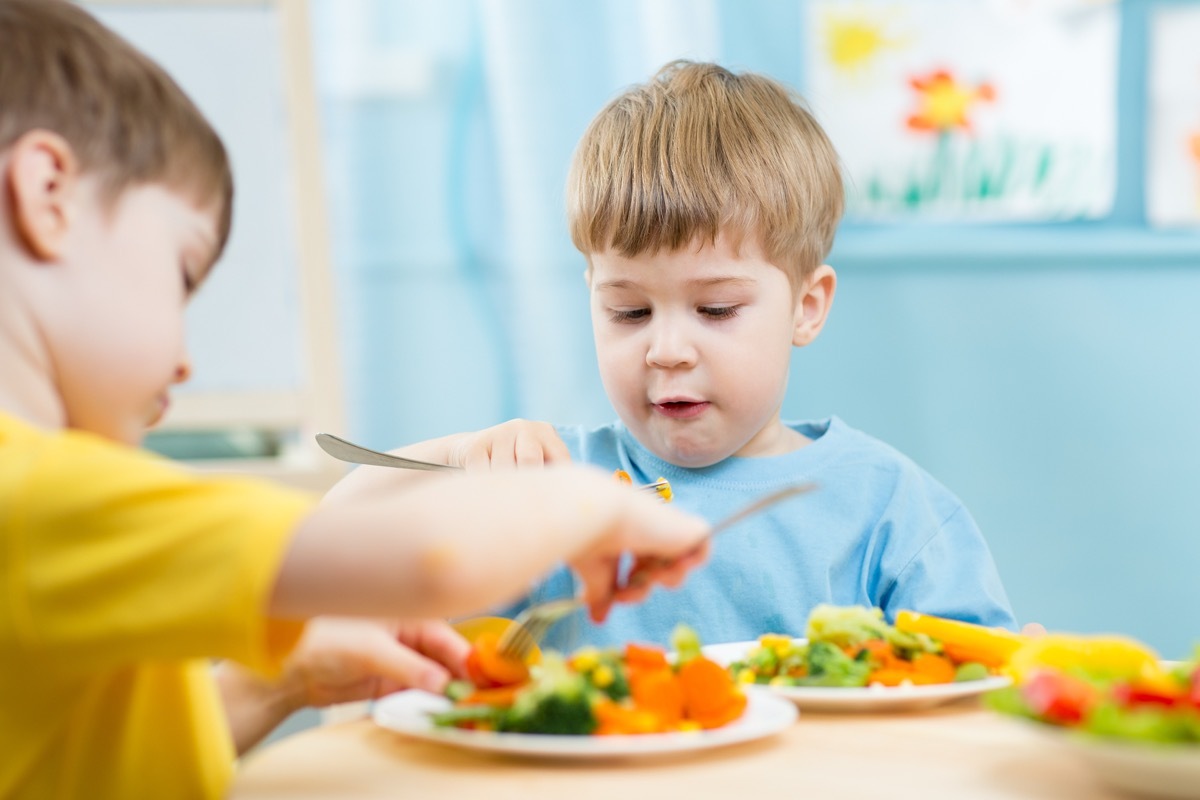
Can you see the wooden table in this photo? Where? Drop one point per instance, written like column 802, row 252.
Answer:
column 958, row 751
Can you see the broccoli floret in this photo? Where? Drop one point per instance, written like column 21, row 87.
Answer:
column 829, row 666
column 910, row 645
column 845, row 625
column 554, row 714
column 850, row 625
column 609, row 675
column 764, row 661
column 557, row 702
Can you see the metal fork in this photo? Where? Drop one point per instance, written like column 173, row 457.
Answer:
column 353, row 453
column 532, row 624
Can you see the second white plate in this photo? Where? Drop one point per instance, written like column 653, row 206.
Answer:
column 866, row 698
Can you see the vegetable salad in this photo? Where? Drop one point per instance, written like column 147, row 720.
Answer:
column 853, row 646
column 1108, row 686
column 636, row 690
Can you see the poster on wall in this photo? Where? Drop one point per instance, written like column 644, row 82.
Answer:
column 981, row 110
column 1173, row 129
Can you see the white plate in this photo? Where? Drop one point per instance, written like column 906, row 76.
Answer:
column 1143, row 768
column 865, row 698
column 408, row 712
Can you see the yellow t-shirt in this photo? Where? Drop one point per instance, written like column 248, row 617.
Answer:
column 121, row 575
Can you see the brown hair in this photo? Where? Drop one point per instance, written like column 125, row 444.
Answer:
column 699, row 151
column 62, row 70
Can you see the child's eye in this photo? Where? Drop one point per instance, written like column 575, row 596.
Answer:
column 719, row 312
column 629, row 315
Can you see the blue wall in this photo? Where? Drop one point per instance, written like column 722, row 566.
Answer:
column 1047, row 374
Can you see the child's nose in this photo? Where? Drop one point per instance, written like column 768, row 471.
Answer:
column 183, row 370
column 669, row 348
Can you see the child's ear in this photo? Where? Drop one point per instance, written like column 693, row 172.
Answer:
column 813, row 304
column 41, row 181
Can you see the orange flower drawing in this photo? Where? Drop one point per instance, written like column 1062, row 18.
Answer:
column 944, row 103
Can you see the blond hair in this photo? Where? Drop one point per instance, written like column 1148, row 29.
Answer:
column 127, row 121
column 699, row 151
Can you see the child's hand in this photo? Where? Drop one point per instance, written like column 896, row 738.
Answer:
column 1033, row 629
column 509, row 445
column 667, row 543
column 340, row 660
column 600, row 578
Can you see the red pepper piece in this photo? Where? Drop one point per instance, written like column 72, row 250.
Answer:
column 1058, row 698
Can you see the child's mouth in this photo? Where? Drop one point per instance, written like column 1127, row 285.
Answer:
column 679, row 409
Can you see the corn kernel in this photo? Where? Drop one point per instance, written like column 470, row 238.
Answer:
column 585, row 660
column 602, row 676
column 775, row 641
column 746, row 676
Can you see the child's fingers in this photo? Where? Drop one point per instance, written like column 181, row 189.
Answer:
column 401, row 667
column 598, row 576
column 439, row 641
column 669, row 572
column 537, row 451
column 515, row 444
column 549, row 446
column 478, row 455
column 1033, row 629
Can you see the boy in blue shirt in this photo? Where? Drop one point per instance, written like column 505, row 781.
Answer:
column 706, row 202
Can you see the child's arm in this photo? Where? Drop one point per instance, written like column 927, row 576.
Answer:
column 456, row 543
column 340, row 661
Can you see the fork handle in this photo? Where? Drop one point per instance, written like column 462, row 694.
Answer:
column 353, row 453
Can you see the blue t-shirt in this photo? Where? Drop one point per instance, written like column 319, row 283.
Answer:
column 879, row 531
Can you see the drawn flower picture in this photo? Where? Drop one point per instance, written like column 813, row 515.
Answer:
column 944, row 102
column 956, row 110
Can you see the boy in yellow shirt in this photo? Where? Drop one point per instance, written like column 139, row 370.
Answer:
column 121, row 574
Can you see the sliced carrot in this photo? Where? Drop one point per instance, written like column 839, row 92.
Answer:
column 640, row 656
column 881, row 652
column 658, row 691
column 931, row 668
column 500, row 696
column 614, row 719
column 487, row 668
column 707, row 687
column 891, row 676
column 715, row 718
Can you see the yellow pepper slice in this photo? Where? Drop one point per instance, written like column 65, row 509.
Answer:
column 964, row 641
column 1102, row 656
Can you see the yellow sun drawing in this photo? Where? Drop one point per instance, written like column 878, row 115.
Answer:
column 853, row 42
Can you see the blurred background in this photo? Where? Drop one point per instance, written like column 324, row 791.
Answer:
column 1019, row 270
